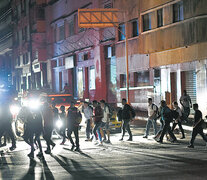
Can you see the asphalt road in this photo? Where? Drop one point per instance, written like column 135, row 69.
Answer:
column 139, row 159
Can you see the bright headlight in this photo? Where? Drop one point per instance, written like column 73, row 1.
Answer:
column 14, row 109
column 59, row 124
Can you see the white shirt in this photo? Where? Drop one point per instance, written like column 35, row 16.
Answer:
column 185, row 100
column 151, row 109
column 105, row 114
column 88, row 112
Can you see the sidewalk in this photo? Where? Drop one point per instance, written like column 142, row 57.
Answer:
column 143, row 116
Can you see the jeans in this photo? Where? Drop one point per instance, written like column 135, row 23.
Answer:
column 88, row 128
column 126, row 126
column 97, row 129
column 180, row 126
column 151, row 122
column 197, row 130
column 166, row 129
column 69, row 133
column 47, row 136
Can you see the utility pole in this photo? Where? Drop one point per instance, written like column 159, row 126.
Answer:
column 127, row 63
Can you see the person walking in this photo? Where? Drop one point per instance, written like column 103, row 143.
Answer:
column 178, row 120
column 152, row 117
column 73, row 125
column 126, row 117
column 6, row 123
column 105, row 121
column 167, row 118
column 88, row 113
column 97, row 118
column 186, row 103
column 48, row 126
column 62, row 129
column 197, row 127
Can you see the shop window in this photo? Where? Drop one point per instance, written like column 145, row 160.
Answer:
column 92, row 78
column 160, row 18
column 61, row 32
column 141, row 78
column 85, row 56
column 121, row 32
column 178, row 12
column 135, row 28
column 146, row 22
column 122, row 80
column 71, row 28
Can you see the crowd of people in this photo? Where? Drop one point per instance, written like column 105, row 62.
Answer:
column 42, row 122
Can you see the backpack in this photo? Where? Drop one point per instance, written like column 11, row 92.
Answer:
column 119, row 114
column 79, row 117
column 174, row 114
column 157, row 111
column 133, row 112
column 110, row 110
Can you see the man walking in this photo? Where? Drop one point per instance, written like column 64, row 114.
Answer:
column 73, row 125
column 105, row 121
column 197, row 127
column 97, row 117
column 48, row 126
column 178, row 120
column 152, row 115
column 88, row 113
column 126, row 117
column 167, row 118
column 186, row 103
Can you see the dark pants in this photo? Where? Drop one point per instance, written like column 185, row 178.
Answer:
column 47, row 136
column 73, row 129
column 197, row 130
column 166, row 129
column 37, row 139
column 180, row 126
column 88, row 128
column 61, row 132
column 126, row 126
column 7, row 129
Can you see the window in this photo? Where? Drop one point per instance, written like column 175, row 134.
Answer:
column 141, row 78
column 121, row 32
column 146, row 22
column 92, row 79
column 122, row 80
column 40, row 13
column 178, row 12
column 107, row 6
column 61, row 32
column 160, row 18
column 71, row 28
column 135, row 28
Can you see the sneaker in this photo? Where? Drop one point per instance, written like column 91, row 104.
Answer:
column 31, row 155
column 121, row 139
column 130, row 139
column 47, row 151
column 72, row 148
column 12, row 148
column 108, row 141
column 190, row 146
column 87, row 139
column 77, row 149
column 53, row 145
column 95, row 142
column 145, row 136
column 40, row 155
column 160, row 141
column 100, row 144
column 62, row 143
column 183, row 137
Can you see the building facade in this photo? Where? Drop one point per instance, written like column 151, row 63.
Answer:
column 81, row 58
column 5, row 42
column 169, row 49
column 29, row 45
